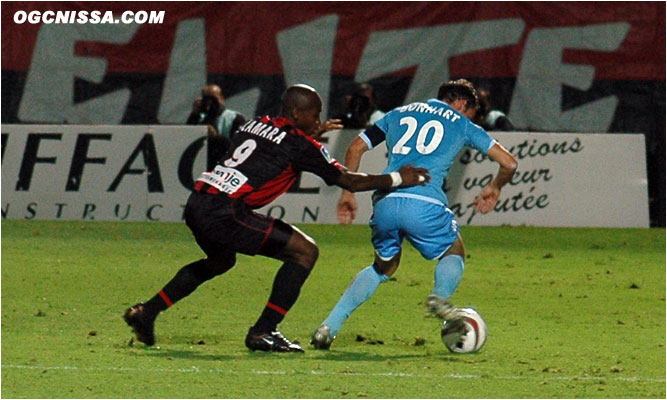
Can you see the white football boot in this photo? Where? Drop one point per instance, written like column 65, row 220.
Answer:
column 322, row 338
column 446, row 311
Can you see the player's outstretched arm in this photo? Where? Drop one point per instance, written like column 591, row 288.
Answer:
column 354, row 153
column 487, row 199
column 347, row 203
column 405, row 177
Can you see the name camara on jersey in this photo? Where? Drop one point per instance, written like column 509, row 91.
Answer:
column 272, row 133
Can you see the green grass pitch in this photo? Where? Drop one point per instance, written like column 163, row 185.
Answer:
column 572, row 313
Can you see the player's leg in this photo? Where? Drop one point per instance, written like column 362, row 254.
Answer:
column 299, row 253
column 436, row 236
column 449, row 270
column 447, row 274
column 141, row 317
column 362, row 287
column 387, row 242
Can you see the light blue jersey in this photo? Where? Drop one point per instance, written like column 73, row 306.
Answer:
column 428, row 135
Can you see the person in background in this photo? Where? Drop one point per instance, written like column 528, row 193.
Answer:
column 265, row 157
column 360, row 108
column 489, row 118
column 221, row 122
column 429, row 134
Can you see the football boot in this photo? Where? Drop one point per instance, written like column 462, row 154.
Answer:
column 271, row 341
column 141, row 323
column 444, row 310
column 322, row 338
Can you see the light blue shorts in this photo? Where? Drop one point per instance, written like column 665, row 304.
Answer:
column 429, row 227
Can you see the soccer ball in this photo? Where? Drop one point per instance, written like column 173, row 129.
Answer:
column 471, row 340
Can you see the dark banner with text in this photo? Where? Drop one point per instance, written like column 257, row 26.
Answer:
column 554, row 66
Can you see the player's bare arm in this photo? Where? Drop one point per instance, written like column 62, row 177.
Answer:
column 347, row 203
column 486, row 200
column 405, row 177
column 354, row 153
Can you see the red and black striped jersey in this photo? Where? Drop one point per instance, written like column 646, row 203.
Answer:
column 264, row 160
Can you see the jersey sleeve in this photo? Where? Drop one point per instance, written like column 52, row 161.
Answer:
column 373, row 136
column 479, row 139
column 315, row 158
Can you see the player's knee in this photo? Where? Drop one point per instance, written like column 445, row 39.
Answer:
column 386, row 267
column 302, row 249
column 381, row 269
column 457, row 249
column 310, row 255
column 304, row 253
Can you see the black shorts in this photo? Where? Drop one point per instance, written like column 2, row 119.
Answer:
column 222, row 225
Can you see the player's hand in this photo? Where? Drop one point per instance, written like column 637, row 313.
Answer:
column 347, row 207
column 413, row 176
column 486, row 200
column 329, row 125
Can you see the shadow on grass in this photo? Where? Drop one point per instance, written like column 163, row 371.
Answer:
column 344, row 356
column 203, row 353
column 338, row 355
column 187, row 354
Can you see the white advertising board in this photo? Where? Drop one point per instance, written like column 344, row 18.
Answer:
column 563, row 179
column 104, row 173
column 144, row 173
column 586, row 180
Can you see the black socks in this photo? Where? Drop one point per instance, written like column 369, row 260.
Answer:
column 286, row 288
column 186, row 280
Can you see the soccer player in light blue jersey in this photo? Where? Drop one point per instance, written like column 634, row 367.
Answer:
column 428, row 135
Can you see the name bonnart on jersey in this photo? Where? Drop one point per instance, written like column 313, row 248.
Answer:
column 425, row 108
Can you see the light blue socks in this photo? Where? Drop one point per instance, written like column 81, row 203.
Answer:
column 361, row 289
column 448, row 274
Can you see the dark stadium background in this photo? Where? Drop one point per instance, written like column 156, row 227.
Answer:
column 634, row 73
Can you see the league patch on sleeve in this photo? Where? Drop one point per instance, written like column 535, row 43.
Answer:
column 326, row 154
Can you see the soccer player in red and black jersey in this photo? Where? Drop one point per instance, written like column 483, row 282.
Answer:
column 264, row 160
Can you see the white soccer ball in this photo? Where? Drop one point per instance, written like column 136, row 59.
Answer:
column 472, row 339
